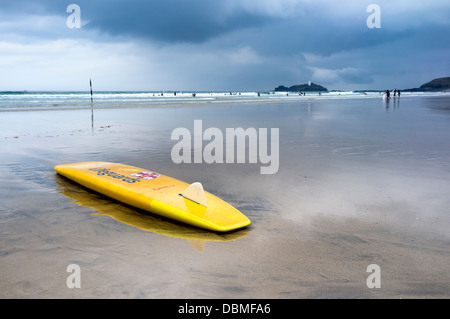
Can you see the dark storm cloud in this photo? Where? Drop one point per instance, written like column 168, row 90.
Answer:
column 170, row 20
column 317, row 27
column 197, row 21
column 191, row 21
column 248, row 43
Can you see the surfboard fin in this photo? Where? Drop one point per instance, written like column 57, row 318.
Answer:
column 195, row 193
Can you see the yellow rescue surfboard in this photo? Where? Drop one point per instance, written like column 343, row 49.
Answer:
column 156, row 193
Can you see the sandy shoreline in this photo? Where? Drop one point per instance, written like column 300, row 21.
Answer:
column 276, row 259
column 304, row 242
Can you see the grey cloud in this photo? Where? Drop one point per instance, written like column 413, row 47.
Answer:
column 355, row 76
column 412, row 35
column 193, row 21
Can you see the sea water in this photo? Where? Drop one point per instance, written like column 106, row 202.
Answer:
column 55, row 100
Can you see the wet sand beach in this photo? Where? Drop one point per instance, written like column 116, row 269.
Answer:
column 360, row 182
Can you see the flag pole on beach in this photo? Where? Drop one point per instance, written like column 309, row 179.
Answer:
column 90, row 83
column 92, row 106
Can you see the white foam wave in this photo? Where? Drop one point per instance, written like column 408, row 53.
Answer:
column 51, row 100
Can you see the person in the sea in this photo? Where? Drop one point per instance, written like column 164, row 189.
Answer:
column 398, row 93
column 388, row 94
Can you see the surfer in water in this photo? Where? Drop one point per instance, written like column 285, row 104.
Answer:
column 388, row 94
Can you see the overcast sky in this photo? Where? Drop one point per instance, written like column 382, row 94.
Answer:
column 225, row 45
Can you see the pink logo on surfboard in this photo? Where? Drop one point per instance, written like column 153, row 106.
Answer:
column 147, row 175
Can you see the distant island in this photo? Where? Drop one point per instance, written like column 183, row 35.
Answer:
column 309, row 87
column 436, row 85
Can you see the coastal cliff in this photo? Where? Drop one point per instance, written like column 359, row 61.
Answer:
column 436, row 85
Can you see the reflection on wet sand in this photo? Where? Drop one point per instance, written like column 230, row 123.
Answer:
column 140, row 219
